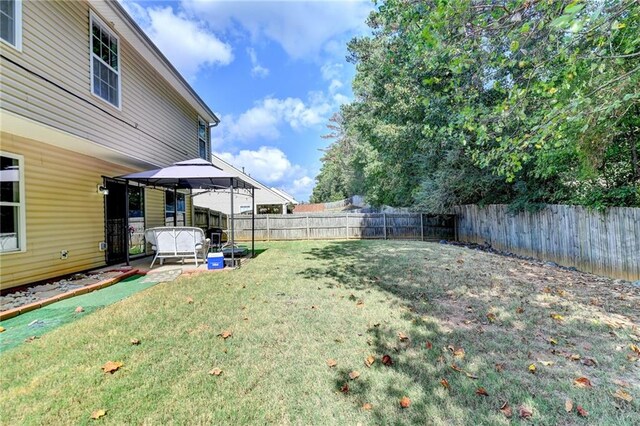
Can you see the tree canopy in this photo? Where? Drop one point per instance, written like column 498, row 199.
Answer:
column 479, row 101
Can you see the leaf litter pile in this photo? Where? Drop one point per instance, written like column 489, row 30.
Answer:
column 397, row 332
column 523, row 334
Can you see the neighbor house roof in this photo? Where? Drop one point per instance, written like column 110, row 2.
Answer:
column 219, row 162
column 123, row 23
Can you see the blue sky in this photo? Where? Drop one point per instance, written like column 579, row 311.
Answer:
column 273, row 71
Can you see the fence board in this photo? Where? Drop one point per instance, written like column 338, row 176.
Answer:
column 602, row 243
column 352, row 225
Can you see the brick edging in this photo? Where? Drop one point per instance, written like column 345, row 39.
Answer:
column 97, row 286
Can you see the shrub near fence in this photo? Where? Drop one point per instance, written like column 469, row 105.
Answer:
column 602, row 243
column 328, row 226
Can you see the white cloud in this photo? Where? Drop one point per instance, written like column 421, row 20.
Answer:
column 268, row 115
column 267, row 164
column 271, row 166
column 302, row 185
column 257, row 70
column 186, row 42
column 304, row 29
column 331, row 70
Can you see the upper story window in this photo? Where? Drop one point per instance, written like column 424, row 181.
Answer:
column 105, row 63
column 203, row 145
column 11, row 22
column 12, row 213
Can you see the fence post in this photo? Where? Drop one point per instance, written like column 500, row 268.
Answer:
column 308, row 232
column 268, row 231
column 384, row 224
column 421, row 226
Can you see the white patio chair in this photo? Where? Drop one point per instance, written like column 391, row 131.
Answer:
column 177, row 241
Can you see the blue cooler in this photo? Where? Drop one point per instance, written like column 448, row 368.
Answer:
column 215, row 261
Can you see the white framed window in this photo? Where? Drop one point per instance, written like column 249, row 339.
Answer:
column 12, row 211
column 11, row 22
column 105, row 62
column 203, row 140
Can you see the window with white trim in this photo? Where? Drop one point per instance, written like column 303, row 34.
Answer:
column 11, row 22
column 12, row 214
column 105, row 63
column 203, row 140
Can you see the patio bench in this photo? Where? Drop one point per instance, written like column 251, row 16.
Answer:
column 177, row 241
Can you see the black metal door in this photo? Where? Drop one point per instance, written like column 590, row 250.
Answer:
column 116, row 222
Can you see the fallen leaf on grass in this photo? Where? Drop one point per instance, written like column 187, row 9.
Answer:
column 481, row 391
column 520, row 310
column 360, row 303
column 635, row 348
column 79, row 309
column 499, row 367
column 354, row 375
column 553, row 341
column 506, row 410
column 444, row 383
column 428, row 345
column 491, row 317
column 135, row 342
column 471, row 376
column 402, row 336
column 2, row 329
column 574, row 357
column 112, row 366
column 345, row 388
column 456, row 368
column 332, row 362
column 620, row 394
column 622, row 383
column 366, row 406
column 557, row 317
column 225, row 334
column 568, row 405
column 405, row 402
column 98, row 413
column 189, row 300
column 369, row 360
column 458, row 353
column 532, row 369
column 525, row 412
column 589, row 362
column 582, row 382
column 581, row 411
column 215, row 372
column 386, row 360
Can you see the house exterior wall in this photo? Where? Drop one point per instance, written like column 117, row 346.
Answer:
column 220, row 201
column 49, row 81
column 64, row 211
column 70, row 139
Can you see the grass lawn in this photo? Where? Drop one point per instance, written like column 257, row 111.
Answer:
column 471, row 318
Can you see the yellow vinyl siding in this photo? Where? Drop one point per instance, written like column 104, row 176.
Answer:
column 64, row 211
column 156, row 123
column 188, row 207
column 153, row 210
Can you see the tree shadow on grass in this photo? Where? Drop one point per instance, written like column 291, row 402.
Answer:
column 454, row 301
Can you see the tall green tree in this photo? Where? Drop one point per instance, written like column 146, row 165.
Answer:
column 498, row 101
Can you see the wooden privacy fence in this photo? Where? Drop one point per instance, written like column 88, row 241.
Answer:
column 602, row 243
column 206, row 218
column 327, row 226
